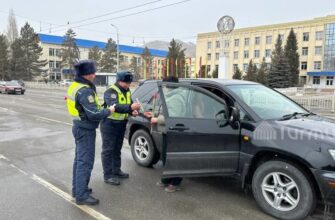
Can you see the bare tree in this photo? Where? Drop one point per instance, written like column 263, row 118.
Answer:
column 12, row 31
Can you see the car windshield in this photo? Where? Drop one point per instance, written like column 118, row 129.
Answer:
column 12, row 83
column 265, row 102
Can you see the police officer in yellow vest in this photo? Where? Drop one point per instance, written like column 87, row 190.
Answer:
column 113, row 128
column 84, row 107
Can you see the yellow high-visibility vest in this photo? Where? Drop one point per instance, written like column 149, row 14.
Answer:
column 121, row 100
column 71, row 99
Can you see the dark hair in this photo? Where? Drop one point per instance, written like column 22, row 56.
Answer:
column 171, row 79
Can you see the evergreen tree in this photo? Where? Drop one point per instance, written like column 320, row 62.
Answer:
column 251, row 72
column 32, row 52
column 12, row 31
column 95, row 54
column 237, row 74
column 135, row 67
column 292, row 55
column 176, row 59
column 108, row 61
column 70, row 53
column 262, row 73
column 147, row 64
column 16, row 63
column 278, row 77
column 4, row 62
column 215, row 72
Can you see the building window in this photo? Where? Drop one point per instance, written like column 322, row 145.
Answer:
column 217, row 44
column 268, row 53
column 330, row 80
column 316, row 80
column 305, row 36
column 246, row 54
column 318, row 50
column 57, row 65
column 58, row 52
column 304, row 51
column 209, row 45
column 217, row 56
column 329, row 47
column 245, row 67
column 51, row 52
column 51, row 64
column 256, row 53
column 235, row 55
column 319, row 35
column 303, row 65
column 257, row 40
column 317, row 65
column 209, row 56
column 246, row 41
column 237, row 42
column 268, row 39
column 235, row 66
column 226, row 43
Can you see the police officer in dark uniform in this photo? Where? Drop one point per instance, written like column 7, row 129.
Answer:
column 113, row 128
column 84, row 107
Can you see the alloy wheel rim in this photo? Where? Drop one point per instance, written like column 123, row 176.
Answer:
column 141, row 148
column 280, row 191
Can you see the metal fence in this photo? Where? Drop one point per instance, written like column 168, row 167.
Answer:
column 324, row 103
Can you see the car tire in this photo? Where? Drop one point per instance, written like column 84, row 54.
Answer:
column 143, row 150
column 22, row 93
column 273, row 198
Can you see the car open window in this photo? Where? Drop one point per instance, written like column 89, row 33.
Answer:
column 230, row 102
column 184, row 102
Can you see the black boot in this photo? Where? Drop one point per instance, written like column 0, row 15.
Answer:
column 89, row 201
column 122, row 175
column 113, row 181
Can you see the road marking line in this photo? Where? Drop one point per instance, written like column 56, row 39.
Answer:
column 3, row 157
column 12, row 165
column 52, row 120
column 67, row 197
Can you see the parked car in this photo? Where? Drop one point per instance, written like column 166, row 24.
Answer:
column 269, row 142
column 12, row 87
column 66, row 82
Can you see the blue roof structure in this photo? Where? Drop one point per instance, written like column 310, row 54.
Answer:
column 52, row 39
column 321, row 73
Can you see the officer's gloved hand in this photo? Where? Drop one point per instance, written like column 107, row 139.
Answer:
column 135, row 106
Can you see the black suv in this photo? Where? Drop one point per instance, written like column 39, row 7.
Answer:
column 242, row 129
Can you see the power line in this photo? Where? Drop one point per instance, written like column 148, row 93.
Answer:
column 110, row 13
column 127, row 15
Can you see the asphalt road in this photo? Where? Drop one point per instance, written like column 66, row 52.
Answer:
column 36, row 156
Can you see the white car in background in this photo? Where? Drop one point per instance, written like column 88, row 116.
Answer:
column 66, row 82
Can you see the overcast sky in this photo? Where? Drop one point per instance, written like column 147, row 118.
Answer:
column 182, row 21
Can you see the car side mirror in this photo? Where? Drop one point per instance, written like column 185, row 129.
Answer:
column 221, row 118
column 234, row 119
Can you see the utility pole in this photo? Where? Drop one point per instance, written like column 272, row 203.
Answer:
column 118, row 50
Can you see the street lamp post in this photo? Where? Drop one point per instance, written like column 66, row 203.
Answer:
column 117, row 47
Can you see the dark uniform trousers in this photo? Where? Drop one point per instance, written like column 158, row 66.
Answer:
column 84, row 160
column 112, row 133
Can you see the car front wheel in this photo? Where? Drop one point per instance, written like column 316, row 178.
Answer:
column 143, row 149
column 283, row 191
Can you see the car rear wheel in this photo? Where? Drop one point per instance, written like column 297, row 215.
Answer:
column 143, row 149
column 282, row 190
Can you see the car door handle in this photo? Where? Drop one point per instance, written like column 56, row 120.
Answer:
column 179, row 127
